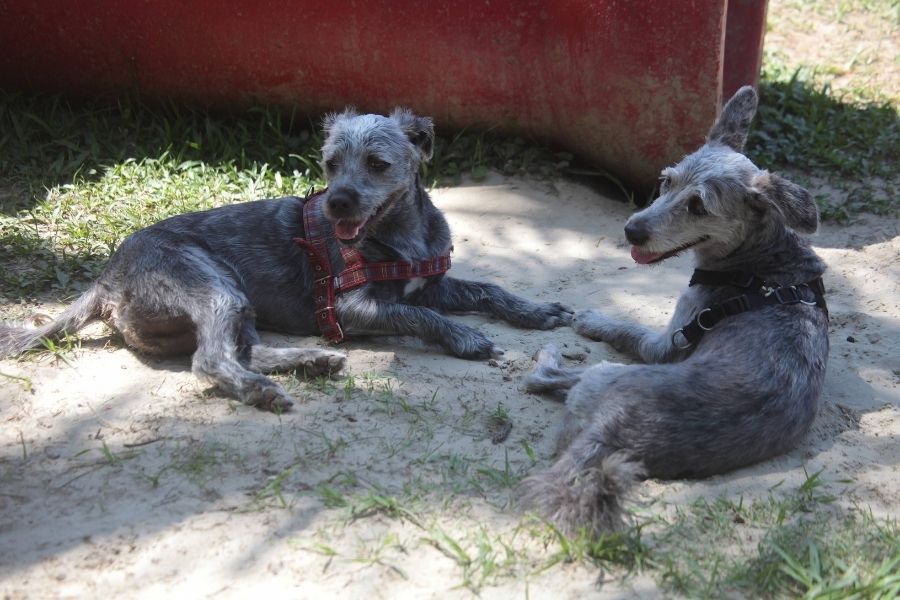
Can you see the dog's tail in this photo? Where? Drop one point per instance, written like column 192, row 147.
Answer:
column 548, row 376
column 14, row 339
column 578, row 497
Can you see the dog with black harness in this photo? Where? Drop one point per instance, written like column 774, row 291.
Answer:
column 736, row 376
column 369, row 255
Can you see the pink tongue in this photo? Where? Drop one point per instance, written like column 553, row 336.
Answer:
column 641, row 257
column 347, row 230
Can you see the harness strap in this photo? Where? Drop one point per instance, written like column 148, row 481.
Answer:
column 317, row 250
column 357, row 270
column 740, row 279
column 358, row 274
column 811, row 293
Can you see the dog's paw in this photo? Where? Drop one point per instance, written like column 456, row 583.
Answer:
column 590, row 323
column 265, row 394
column 471, row 344
column 324, row 362
column 545, row 316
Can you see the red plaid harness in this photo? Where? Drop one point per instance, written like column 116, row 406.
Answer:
column 357, row 271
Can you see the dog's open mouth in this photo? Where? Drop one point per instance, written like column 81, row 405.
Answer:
column 643, row 257
column 351, row 231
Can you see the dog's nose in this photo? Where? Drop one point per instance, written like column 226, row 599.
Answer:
column 343, row 202
column 636, row 235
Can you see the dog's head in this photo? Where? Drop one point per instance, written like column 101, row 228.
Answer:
column 370, row 161
column 716, row 198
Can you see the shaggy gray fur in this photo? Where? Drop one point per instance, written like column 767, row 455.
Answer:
column 203, row 282
column 747, row 392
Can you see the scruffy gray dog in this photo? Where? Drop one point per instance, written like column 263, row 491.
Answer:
column 722, row 388
column 203, row 282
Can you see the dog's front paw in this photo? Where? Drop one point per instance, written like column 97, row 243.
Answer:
column 592, row 324
column 265, row 394
column 471, row 344
column 545, row 316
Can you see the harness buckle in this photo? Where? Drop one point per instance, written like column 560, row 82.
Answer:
column 674, row 343
column 700, row 322
column 806, row 302
column 794, row 294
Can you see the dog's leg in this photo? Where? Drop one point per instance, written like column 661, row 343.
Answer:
column 635, row 340
column 457, row 295
column 216, row 357
column 548, row 375
column 314, row 361
column 185, row 287
column 364, row 314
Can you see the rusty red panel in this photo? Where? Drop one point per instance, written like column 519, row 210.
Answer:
column 629, row 86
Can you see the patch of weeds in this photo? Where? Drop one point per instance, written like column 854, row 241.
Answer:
column 376, row 555
column 625, row 549
column 108, row 458
column 477, row 153
column 375, row 502
column 853, row 146
column 505, row 477
column 804, row 546
column 484, row 557
column 499, row 425
column 24, row 382
column 200, row 462
column 61, row 348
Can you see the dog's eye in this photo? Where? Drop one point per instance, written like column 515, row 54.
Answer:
column 378, row 165
column 331, row 164
column 695, row 206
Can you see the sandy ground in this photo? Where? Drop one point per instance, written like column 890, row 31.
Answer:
column 127, row 477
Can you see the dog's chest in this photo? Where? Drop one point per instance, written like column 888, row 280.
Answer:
column 413, row 285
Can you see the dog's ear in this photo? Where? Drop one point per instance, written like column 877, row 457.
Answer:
column 733, row 124
column 419, row 130
column 793, row 203
column 331, row 119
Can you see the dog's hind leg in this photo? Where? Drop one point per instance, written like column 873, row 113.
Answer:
column 313, row 361
column 262, row 358
column 218, row 324
column 174, row 298
column 548, row 375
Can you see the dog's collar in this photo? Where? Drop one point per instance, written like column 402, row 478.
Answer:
column 357, row 270
column 759, row 294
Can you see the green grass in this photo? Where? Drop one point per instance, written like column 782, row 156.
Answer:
column 790, row 543
column 804, row 128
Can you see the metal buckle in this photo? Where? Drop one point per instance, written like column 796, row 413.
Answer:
column 794, row 293
column 809, row 287
column 674, row 343
column 700, row 323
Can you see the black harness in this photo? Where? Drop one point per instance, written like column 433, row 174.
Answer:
column 759, row 294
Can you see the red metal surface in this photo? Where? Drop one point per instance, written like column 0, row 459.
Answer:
column 627, row 85
column 744, row 35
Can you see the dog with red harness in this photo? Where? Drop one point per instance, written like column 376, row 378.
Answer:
column 368, row 255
